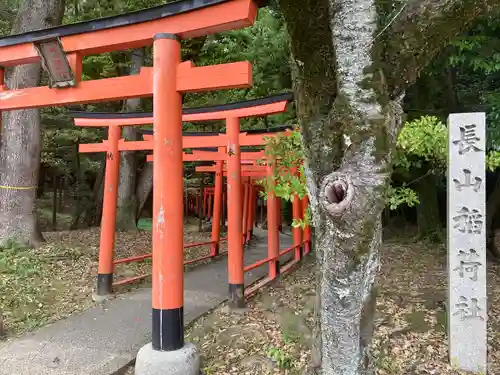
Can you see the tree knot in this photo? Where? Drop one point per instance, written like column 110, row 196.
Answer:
column 336, row 194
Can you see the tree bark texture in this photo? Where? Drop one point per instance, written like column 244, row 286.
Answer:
column 88, row 208
column 20, row 137
column 492, row 205
column 93, row 215
column 144, row 186
column 127, row 201
column 352, row 61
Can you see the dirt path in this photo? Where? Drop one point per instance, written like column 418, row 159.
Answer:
column 410, row 338
column 273, row 337
column 411, row 335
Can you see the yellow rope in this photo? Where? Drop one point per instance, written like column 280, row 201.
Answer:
column 18, row 187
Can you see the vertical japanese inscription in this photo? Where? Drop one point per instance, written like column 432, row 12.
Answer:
column 467, row 314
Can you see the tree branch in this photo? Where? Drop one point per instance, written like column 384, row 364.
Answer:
column 315, row 83
column 421, row 31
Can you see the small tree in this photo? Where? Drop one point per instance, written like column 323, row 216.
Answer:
column 421, row 144
column 420, row 159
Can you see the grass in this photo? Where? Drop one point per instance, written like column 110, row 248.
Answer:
column 44, row 211
column 34, row 292
column 63, row 220
column 44, row 285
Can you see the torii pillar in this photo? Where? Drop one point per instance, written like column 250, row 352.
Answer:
column 235, row 213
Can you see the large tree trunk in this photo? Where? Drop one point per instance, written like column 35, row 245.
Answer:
column 428, row 219
column 348, row 131
column 89, row 200
column 20, row 137
column 452, row 99
column 93, row 215
column 492, row 205
column 144, row 186
column 352, row 62
column 127, row 202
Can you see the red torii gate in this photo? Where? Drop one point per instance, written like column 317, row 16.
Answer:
column 235, row 211
column 106, row 258
column 165, row 81
column 229, row 112
column 301, row 239
column 221, row 156
column 205, row 200
column 207, row 193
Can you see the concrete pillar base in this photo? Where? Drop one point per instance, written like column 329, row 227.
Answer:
column 102, row 299
column 185, row 361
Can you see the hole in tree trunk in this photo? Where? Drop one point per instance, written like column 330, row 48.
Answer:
column 336, row 196
column 336, row 192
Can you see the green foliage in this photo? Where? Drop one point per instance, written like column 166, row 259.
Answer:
column 422, row 140
column 470, row 51
column 265, row 46
column 492, row 100
column 306, row 220
column 59, row 143
column 92, row 9
column 284, row 152
column 427, row 139
column 475, row 56
column 287, row 150
column 479, row 48
column 396, row 196
column 422, row 143
column 493, row 160
column 8, row 11
column 283, row 360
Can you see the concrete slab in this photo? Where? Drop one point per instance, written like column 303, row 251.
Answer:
column 104, row 339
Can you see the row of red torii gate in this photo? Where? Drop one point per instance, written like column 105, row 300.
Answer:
column 61, row 51
column 239, row 168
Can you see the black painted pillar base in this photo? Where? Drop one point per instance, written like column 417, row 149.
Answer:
column 168, row 329
column 278, row 268
column 104, row 284
column 215, row 251
column 250, row 236
column 237, row 296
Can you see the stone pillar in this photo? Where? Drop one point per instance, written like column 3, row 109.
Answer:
column 467, row 307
